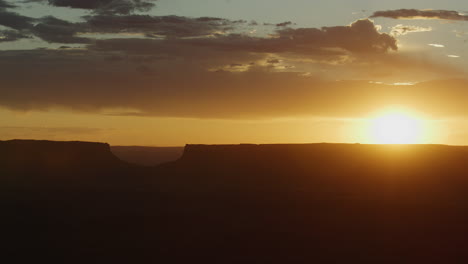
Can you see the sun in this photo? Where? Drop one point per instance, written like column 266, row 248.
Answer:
column 396, row 128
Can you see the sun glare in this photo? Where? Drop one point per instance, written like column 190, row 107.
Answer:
column 396, row 128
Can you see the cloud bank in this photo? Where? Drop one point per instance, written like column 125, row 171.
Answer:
column 116, row 60
column 82, row 81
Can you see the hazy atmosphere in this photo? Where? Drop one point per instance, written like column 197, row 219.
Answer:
column 171, row 72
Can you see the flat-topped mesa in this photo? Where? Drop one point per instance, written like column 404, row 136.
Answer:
column 50, row 155
column 328, row 156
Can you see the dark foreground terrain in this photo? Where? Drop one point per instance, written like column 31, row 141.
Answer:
column 75, row 202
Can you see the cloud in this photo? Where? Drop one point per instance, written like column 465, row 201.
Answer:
column 15, row 20
column 55, row 30
column 204, row 68
column 284, row 24
column 160, row 26
column 421, row 14
column 5, row 4
column 82, row 80
column 360, row 36
column 12, row 35
column 104, row 6
column 436, row 45
column 400, row 30
column 223, row 52
column 209, row 67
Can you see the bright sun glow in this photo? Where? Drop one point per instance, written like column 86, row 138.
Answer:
column 396, row 128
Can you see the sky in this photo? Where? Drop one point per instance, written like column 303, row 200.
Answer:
column 175, row 72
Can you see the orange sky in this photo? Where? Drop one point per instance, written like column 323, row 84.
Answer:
column 168, row 74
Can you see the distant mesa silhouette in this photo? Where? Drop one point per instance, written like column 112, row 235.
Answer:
column 54, row 155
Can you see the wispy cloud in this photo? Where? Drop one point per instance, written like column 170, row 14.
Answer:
column 103, row 6
column 400, row 30
column 421, row 14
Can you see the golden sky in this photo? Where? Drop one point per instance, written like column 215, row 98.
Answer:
column 168, row 73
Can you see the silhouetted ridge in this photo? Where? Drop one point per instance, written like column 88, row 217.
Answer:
column 53, row 155
column 292, row 154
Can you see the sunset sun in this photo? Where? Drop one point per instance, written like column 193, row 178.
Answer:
column 396, row 128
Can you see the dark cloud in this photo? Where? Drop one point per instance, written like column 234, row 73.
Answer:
column 12, row 35
column 55, row 30
column 284, row 24
column 273, row 61
column 421, row 14
column 15, row 20
column 104, row 6
column 48, row 28
column 361, row 36
column 159, row 26
column 12, row 20
column 5, row 4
